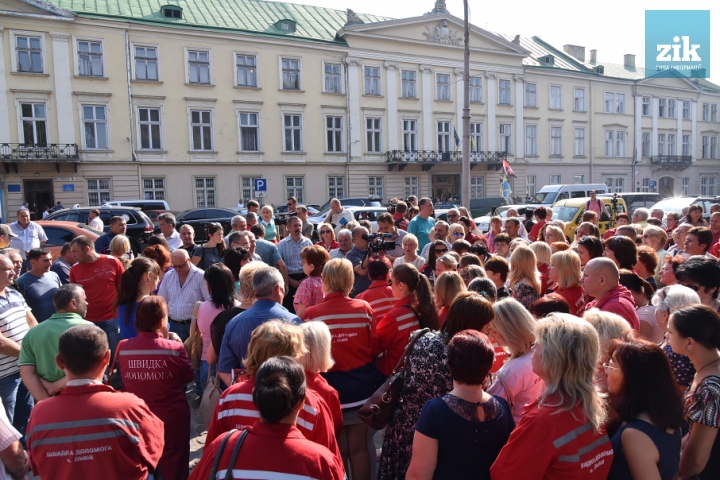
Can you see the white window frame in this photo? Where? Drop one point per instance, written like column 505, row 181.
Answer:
column 21, row 118
column 337, row 134
column 373, row 135
column 707, row 185
column 94, row 121
column 686, row 114
column 374, row 78
column 706, row 112
column 501, row 90
column 206, row 189
column 442, row 88
column 443, row 136
column 13, row 51
column 609, row 102
column 295, row 187
column 615, row 184
column 661, row 143
column 235, row 56
column 686, row 146
column 579, row 141
column 76, row 56
column 579, row 100
column 662, row 107
column 555, row 179
column 476, row 91
column 505, row 132
column 412, row 83
column 620, row 103
column 530, row 96
column 620, row 138
column 477, row 187
column 713, row 148
column 671, row 144
column 211, row 75
column 133, row 63
column 672, row 108
column 336, row 189
column 705, row 151
column 149, row 123
column 713, row 112
column 645, row 185
column 646, row 140
column 555, row 97
column 412, row 135
column 293, row 128
column 531, row 146
column 375, row 185
column 247, row 187
column 530, row 185
column 685, row 185
column 646, row 106
column 609, row 143
column 556, row 141
column 476, row 136
column 240, row 113
column 154, row 190
column 202, row 124
column 99, row 191
column 341, row 76
column 301, row 82
column 412, row 186
column 579, row 178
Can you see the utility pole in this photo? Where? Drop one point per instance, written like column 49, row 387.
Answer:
column 465, row 173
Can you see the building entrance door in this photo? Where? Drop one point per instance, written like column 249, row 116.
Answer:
column 38, row 195
column 445, row 187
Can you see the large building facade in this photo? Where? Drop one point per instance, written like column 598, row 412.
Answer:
column 190, row 102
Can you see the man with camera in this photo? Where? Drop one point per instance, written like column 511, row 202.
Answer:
column 366, row 247
column 386, row 225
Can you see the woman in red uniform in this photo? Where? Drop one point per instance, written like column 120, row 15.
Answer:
column 274, row 447
column 156, row 370
column 354, row 341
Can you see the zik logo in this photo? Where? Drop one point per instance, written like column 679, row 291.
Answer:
column 689, row 51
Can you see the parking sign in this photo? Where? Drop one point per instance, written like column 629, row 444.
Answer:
column 260, row 185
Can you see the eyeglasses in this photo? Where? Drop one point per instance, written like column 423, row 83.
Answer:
column 441, row 250
column 181, row 266
column 607, row 366
column 324, row 231
column 458, row 234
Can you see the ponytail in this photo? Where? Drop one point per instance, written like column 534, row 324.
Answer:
column 423, row 306
column 127, row 291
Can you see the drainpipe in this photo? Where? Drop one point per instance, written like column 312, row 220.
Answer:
column 592, row 132
column 347, row 135
column 129, row 94
column 633, row 167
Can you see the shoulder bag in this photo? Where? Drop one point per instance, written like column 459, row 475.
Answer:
column 508, row 393
column 233, row 458
column 194, row 344
column 209, row 401
column 380, row 407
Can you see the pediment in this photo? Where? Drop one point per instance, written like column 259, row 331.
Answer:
column 34, row 7
column 669, row 82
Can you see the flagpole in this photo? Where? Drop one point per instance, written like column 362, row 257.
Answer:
column 465, row 172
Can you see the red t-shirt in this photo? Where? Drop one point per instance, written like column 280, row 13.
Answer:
column 535, row 230
column 100, row 280
column 574, row 296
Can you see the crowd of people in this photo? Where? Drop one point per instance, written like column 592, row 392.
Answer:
column 524, row 354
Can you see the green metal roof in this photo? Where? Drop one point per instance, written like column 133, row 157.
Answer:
column 251, row 16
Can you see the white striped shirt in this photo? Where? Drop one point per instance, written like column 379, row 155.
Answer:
column 8, row 436
column 181, row 299
column 13, row 326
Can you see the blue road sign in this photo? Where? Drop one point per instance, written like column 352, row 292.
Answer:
column 260, row 184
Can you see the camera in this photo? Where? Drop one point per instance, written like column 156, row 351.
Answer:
column 379, row 242
column 282, row 220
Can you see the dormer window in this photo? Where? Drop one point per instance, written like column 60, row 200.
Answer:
column 171, row 11
column 548, row 59
column 286, row 25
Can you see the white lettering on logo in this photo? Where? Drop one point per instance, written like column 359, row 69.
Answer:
column 689, row 51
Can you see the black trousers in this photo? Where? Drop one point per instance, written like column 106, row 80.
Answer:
column 290, row 296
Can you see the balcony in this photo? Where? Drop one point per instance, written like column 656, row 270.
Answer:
column 671, row 162
column 13, row 153
column 430, row 158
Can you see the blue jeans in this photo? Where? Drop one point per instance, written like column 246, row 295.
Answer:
column 201, row 376
column 112, row 329
column 182, row 329
column 17, row 401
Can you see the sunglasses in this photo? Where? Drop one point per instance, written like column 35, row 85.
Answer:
column 290, row 204
column 441, row 251
column 324, row 231
column 458, row 234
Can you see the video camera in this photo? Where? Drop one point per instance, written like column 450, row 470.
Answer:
column 282, row 219
column 378, row 242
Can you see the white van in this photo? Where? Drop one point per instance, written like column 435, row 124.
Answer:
column 141, row 204
column 550, row 194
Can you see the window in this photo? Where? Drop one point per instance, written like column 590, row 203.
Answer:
column 146, row 63
column 333, row 131
column 609, row 102
column 476, row 137
column 707, row 186
column 646, row 144
column 204, row 192
column 713, row 112
column 290, row 74
column 29, row 54
column 294, row 188
column 442, row 86
column 620, row 103
column 477, row 187
column 686, row 185
column 248, row 188
column 531, row 140
column 555, row 141
column 293, row 133
column 336, row 187
column 375, row 187
column 34, row 124
column 530, row 183
column 410, row 135
column 443, row 137
column 409, row 84
column 95, row 126
column 713, row 148
column 609, row 143
column 411, row 186
column 672, row 113
column 246, row 66
column 98, row 190
column 556, row 97
column 706, row 112
column 333, row 81
column 579, row 178
column 505, row 137
column 662, row 107
column 504, row 88
column 661, row 144
column 579, row 99
column 374, row 134
column 90, row 61
column 619, row 144
column 199, row 67
column 645, row 185
column 646, row 106
column 201, row 124
column 705, row 146
column 615, row 184
column 555, row 179
column 149, row 120
column 372, row 81
column 686, row 110
column 671, row 144
column 475, row 89
column 579, row 142
column 531, row 95
column 154, row 188
column 686, row 145
column 249, row 132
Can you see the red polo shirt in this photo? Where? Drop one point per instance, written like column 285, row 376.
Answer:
column 380, row 297
column 394, row 332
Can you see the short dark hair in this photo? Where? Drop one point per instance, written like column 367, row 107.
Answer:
column 514, row 220
column 96, row 211
column 701, row 271
column 233, row 258
column 704, row 236
column 549, row 303
column 293, row 199
column 65, row 248
column 316, row 256
column 253, row 203
column 654, row 221
column 623, row 215
column 423, row 201
column 235, row 236
column 36, row 253
column 82, row 347
column 65, row 294
column 485, row 287
column 648, row 257
column 593, row 245
column 469, row 310
column 385, row 217
column 279, row 387
column 503, row 238
column 497, row 264
column 461, row 246
column 401, row 207
column 412, row 198
column 470, row 357
column 258, row 230
column 158, row 240
column 594, row 231
column 588, row 215
column 150, row 312
column 83, row 242
column 540, row 213
column 378, row 270
column 624, row 249
column 168, row 218
column 699, row 322
column 115, row 219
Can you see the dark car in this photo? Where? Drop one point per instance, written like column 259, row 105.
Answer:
column 198, row 218
column 139, row 226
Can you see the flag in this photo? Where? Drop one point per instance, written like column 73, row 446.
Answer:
column 472, row 144
column 457, row 139
column 506, row 191
column 507, row 169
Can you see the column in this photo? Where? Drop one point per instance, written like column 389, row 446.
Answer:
column 679, row 134
column 427, row 99
column 459, row 100
column 693, row 135
column 63, row 87
column 654, row 137
column 637, row 142
column 4, row 112
column 519, row 122
column 392, row 99
column 353, row 65
column 492, row 133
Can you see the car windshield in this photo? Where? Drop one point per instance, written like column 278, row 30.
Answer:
column 566, row 214
column 545, row 197
column 323, row 212
column 673, row 204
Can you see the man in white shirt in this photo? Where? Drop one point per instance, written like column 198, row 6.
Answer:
column 167, row 222
column 338, row 216
column 238, row 224
column 94, row 220
column 14, row 457
column 29, row 234
column 344, row 239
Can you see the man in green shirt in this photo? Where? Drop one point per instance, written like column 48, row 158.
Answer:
column 38, row 369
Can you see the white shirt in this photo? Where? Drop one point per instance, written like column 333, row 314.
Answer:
column 8, row 436
column 337, row 253
column 27, row 238
column 337, row 219
column 181, row 299
column 96, row 224
column 524, row 384
column 174, row 241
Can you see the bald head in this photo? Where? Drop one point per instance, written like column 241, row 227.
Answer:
column 358, row 232
column 600, row 276
column 180, row 255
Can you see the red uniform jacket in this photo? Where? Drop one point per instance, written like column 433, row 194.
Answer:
column 393, row 333
column 352, row 326
column 156, row 370
column 574, row 296
column 271, row 450
column 235, row 409
column 94, row 431
column 320, row 386
column 380, row 297
column 619, row 300
column 554, row 445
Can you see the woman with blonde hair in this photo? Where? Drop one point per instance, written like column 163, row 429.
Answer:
column 524, row 276
column 566, row 274
column 327, row 237
column 514, row 329
column 455, row 232
column 446, row 263
column 268, row 221
column 609, row 327
column 543, row 254
column 562, row 430
column 552, row 233
column 410, row 246
column 120, row 249
column 447, row 287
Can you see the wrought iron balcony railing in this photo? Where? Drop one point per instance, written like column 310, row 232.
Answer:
column 432, row 157
column 679, row 160
column 19, row 152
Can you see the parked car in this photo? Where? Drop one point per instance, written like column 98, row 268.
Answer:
column 370, row 213
column 141, row 204
column 139, row 226
column 154, row 214
column 200, row 217
column 59, row 233
column 678, row 203
column 483, row 223
column 356, row 202
column 549, row 194
column 635, row 200
column 571, row 211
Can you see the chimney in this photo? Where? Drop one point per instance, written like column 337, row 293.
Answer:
column 575, row 51
column 593, row 56
column 629, row 60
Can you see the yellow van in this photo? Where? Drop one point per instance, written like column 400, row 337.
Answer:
column 571, row 211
